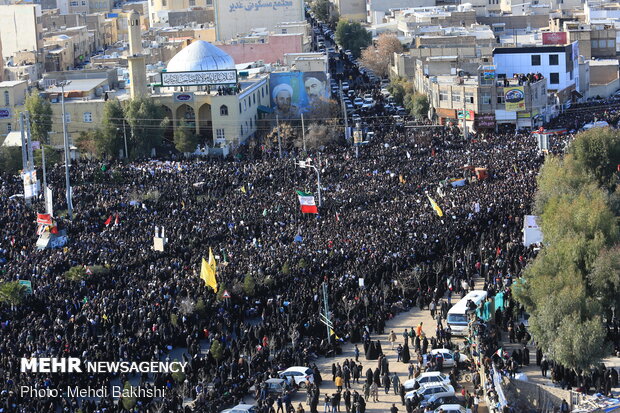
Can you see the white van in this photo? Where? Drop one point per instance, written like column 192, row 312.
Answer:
column 458, row 315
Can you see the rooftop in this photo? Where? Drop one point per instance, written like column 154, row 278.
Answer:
column 11, row 83
column 79, row 85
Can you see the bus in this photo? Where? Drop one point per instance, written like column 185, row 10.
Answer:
column 458, row 315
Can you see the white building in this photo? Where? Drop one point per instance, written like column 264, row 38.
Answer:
column 558, row 64
column 376, row 10
column 20, row 28
column 235, row 17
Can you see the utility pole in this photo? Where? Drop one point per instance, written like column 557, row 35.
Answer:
column 125, row 137
column 303, row 131
column 344, row 111
column 325, row 315
column 23, row 132
column 29, row 143
column 44, row 178
column 279, row 141
column 66, row 144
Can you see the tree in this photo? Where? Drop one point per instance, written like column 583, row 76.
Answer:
column 249, row 285
column 288, row 136
column 574, row 281
column 399, row 88
column 352, row 36
column 185, row 139
column 12, row 293
column 86, row 142
column 40, row 116
column 417, row 104
column 378, row 57
column 148, row 122
column 10, row 159
column 216, row 350
column 113, row 129
column 598, row 152
column 324, row 11
column 128, row 401
column 52, row 156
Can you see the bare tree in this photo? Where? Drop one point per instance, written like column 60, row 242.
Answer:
column 379, row 56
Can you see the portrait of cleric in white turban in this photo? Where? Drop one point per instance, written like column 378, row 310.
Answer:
column 283, row 98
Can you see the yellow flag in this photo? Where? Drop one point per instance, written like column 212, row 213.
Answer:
column 402, row 179
column 435, row 206
column 242, row 189
column 207, row 271
column 333, row 333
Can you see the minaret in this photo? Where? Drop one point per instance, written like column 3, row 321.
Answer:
column 136, row 60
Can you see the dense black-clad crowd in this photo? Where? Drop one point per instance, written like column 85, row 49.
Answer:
column 375, row 224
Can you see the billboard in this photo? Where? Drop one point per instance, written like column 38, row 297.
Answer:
column 199, row 78
column 554, row 38
column 294, row 93
column 515, row 98
column 488, row 72
column 30, row 184
column 485, row 120
column 469, row 113
column 234, row 17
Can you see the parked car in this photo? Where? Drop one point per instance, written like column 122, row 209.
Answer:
column 274, row 386
column 299, row 374
column 368, row 103
column 431, row 392
column 358, row 102
column 452, row 408
column 448, row 356
column 241, row 408
column 425, row 378
column 345, row 86
column 440, row 401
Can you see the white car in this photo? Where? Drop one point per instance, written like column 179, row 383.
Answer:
column 241, row 408
column 299, row 374
column 426, row 378
column 452, row 408
column 368, row 103
column 448, row 356
column 430, row 392
column 345, row 86
column 358, row 102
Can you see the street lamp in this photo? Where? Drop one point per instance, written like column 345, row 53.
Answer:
column 307, row 164
column 124, row 137
column 62, row 85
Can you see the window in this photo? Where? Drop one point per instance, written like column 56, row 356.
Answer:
column 88, row 117
column 83, row 3
column 553, row 59
column 219, row 133
column 456, row 97
column 7, row 98
column 535, row 60
column 611, row 44
column 500, row 98
column 486, row 98
column 164, row 3
column 239, row 107
column 469, row 97
column 9, row 127
column 443, row 95
column 73, row 3
column 223, row 110
column 245, row 105
column 68, row 117
column 241, row 130
column 192, row 3
column 554, row 78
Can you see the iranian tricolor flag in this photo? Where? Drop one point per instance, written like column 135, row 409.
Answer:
column 306, row 200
